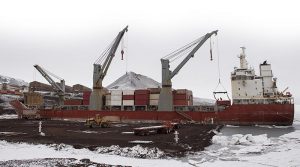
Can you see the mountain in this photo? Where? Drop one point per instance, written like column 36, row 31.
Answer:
column 131, row 81
column 12, row 81
column 203, row 101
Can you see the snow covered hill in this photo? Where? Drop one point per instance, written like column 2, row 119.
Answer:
column 131, row 81
column 12, row 81
column 203, row 101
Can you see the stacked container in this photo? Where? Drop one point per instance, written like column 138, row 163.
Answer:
column 182, row 97
column 115, row 98
column 141, row 97
column 128, row 97
column 86, row 97
column 33, row 99
column 154, row 96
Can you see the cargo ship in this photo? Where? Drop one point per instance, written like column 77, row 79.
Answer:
column 255, row 101
column 255, row 98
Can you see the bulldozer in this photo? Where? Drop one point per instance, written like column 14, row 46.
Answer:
column 103, row 122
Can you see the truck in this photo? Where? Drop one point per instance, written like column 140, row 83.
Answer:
column 101, row 121
column 165, row 128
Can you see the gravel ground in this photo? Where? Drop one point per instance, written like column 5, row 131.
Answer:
column 192, row 137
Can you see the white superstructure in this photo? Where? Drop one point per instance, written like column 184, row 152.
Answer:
column 250, row 88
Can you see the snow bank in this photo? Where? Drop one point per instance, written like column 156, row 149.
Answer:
column 239, row 139
column 134, row 152
column 21, row 151
column 9, row 116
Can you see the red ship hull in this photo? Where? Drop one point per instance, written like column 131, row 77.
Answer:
column 237, row 114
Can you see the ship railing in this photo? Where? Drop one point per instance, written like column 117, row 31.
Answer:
column 264, row 101
column 74, row 107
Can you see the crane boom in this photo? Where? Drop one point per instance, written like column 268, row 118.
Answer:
column 59, row 88
column 165, row 97
column 191, row 54
column 112, row 52
column 100, row 71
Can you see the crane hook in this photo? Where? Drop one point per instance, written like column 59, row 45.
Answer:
column 210, row 50
column 122, row 53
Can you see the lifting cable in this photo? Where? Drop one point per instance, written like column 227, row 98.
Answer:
column 127, row 50
column 104, row 54
column 122, row 48
column 183, row 50
column 51, row 74
column 219, row 73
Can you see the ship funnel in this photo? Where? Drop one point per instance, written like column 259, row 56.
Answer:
column 243, row 61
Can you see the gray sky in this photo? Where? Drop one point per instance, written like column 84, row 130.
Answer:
column 66, row 37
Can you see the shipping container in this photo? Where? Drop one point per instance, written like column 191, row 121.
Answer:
column 154, row 102
column 142, row 97
column 154, row 96
column 116, row 92
column 3, row 91
column 128, row 92
column 128, row 102
column 85, row 102
column 141, row 92
column 116, row 102
column 10, row 92
column 181, row 97
column 108, row 102
column 128, row 97
column 141, row 102
column 181, row 91
column 154, row 90
column 86, row 95
column 33, row 99
column 180, row 102
column 116, row 97
column 107, row 97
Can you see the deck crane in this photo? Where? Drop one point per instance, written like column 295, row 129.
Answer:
column 59, row 88
column 100, row 69
column 166, row 98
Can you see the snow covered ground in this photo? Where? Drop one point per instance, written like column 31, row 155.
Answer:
column 239, row 146
column 21, row 151
column 9, row 116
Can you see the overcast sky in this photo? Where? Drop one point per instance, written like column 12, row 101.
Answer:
column 66, row 37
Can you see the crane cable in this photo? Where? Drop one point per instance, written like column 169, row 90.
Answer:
column 181, row 51
column 51, row 74
column 122, row 48
column 127, row 50
column 219, row 73
column 104, row 54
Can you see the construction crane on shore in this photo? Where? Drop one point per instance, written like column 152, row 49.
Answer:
column 166, row 98
column 58, row 87
column 100, row 69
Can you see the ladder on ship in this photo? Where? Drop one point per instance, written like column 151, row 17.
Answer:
column 186, row 116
